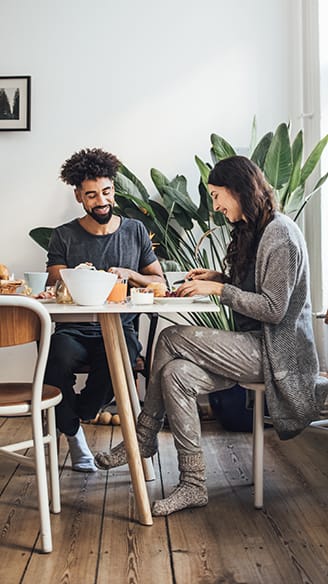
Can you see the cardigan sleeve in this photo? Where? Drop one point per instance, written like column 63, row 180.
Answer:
column 277, row 265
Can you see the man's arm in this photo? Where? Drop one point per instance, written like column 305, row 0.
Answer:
column 151, row 273
column 54, row 274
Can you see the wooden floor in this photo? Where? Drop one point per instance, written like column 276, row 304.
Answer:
column 97, row 539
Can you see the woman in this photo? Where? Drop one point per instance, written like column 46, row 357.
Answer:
column 266, row 283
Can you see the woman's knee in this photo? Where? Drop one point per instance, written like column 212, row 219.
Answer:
column 176, row 378
column 169, row 334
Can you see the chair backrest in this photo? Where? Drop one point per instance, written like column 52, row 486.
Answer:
column 18, row 325
column 24, row 320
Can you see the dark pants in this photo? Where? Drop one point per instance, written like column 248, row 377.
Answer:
column 72, row 349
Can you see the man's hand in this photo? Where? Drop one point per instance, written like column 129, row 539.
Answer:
column 123, row 273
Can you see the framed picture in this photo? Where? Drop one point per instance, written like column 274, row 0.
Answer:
column 15, row 103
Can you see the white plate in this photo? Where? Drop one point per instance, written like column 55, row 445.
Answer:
column 47, row 300
column 180, row 300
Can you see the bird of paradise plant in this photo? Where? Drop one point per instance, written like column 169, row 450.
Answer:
column 174, row 219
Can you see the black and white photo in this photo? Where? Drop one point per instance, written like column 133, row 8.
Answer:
column 15, row 103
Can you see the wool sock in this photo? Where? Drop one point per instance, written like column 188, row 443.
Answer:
column 147, row 430
column 191, row 490
column 81, row 456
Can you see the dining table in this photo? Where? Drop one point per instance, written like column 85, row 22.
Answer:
column 124, row 387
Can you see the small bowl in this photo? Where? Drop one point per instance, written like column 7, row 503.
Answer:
column 142, row 296
column 88, row 287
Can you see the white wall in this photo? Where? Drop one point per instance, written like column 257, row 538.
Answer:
column 146, row 80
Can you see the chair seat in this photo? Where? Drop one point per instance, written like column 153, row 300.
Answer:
column 254, row 386
column 20, row 394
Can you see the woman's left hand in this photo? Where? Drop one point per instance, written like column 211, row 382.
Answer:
column 200, row 287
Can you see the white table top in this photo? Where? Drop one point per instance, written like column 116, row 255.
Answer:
column 77, row 313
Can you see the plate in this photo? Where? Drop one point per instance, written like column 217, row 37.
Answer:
column 47, row 300
column 179, row 300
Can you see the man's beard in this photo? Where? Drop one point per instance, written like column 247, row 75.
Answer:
column 101, row 219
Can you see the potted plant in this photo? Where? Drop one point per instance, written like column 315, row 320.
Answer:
column 173, row 216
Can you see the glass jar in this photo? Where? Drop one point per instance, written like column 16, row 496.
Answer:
column 62, row 293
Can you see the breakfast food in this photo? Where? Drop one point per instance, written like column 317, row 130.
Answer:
column 142, row 296
column 171, row 294
column 159, row 289
column 116, row 420
column 8, row 286
column 4, row 272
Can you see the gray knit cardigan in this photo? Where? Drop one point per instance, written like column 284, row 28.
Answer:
column 294, row 391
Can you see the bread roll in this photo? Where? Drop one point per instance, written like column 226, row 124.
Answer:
column 4, row 272
column 159, row 288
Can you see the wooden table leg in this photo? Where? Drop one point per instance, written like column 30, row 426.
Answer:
column 111, row 326
column 134, row 398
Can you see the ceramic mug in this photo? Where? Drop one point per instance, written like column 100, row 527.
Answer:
column 36, row 281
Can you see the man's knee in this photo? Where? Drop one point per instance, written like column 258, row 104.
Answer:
column 63, row 350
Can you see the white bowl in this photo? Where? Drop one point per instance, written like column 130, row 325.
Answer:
column 88, row 287
column 142, row 296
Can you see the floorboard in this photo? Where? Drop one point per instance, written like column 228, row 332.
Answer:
column 98, row 540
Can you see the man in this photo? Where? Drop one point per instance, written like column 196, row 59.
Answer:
column 110, row 243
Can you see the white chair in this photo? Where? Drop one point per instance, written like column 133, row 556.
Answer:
column 25, row 320
column 258, row 441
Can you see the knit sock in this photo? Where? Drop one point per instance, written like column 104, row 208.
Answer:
column 191, row 490
column 147, row 430
column 81, row 456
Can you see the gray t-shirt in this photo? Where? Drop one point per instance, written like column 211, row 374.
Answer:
column 128, row 247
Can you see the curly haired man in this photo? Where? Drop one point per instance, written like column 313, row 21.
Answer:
column 110, row 243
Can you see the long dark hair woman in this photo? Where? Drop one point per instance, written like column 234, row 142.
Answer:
column 266, row 284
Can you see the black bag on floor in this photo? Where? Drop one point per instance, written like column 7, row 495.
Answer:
column 232, row 409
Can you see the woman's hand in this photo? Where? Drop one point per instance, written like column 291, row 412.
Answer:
column 203, row 274
column 200, row 287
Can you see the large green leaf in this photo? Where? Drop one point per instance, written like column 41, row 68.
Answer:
column 297, row 154
column 41, row 235
column 294, row 201
column 320, row 182
column 142, row 205
column 204, row 201
column 204, row 170
column 176, row 209
column 139, row 190
column 159, row 179
column 278, row 161
column 313, row 159
column 261, row 150
column 221, row 147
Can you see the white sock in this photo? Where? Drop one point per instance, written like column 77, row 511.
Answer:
column 81, row 456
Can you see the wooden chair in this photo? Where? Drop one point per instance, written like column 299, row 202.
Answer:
column 25, row 320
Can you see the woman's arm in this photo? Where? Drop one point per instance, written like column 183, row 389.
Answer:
column 281, row 266
column 203, row 274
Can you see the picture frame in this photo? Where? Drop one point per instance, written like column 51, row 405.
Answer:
column 15, row 103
